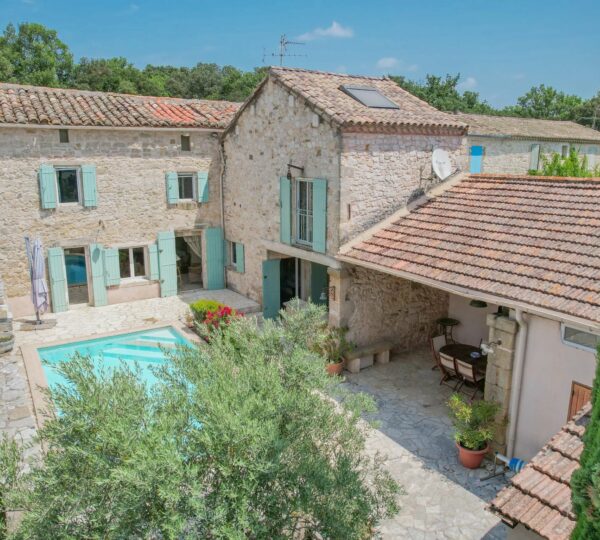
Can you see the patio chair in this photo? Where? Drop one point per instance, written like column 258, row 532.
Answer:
column 436, row 342
column 447, row 366
column 469, row 374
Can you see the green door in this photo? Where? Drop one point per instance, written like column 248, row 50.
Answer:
column 98, row 275
column 319, row 281
column 167, row 263
column 271, row 288
column 215, row 262
column 58, row 279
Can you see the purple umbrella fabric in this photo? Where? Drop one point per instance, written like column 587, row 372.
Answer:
column 37, row 271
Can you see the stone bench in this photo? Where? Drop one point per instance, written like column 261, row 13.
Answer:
column 363, row 357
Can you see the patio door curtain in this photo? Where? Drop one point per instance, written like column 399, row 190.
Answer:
column 194, row 244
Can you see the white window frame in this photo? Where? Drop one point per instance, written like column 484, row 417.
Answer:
column 77, row 170
column 132, row 277
column 569, row 343
column 194, row 186
column 307, row 214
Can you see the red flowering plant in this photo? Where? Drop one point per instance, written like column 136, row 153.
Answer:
column 220, row 317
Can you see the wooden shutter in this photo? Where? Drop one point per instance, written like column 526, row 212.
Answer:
column 271, row 293
column 98, row 275
column 202, row 178
column 226, row 255
column 167, row 263
column 58, row 279
column 239, row 257
column 318, row 283
column 285, row 204
column 476, row 162
column 88, row 181
column 112, row 269
column 215, row 275
column 534, row 159
column 319, row 194
column 580, row 395
column 172, row 187
column 153, row 260
column 47, row 178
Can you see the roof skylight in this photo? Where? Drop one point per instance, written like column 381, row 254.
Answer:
column 369, row 96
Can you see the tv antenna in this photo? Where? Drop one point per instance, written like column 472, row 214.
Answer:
column 284, row 43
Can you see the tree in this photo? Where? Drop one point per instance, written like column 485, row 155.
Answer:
column 585, row 482
column 35, row 55
column 107, row 75
column 572, row 165
column 545, row 102
column 588, row 113
column 239, row 439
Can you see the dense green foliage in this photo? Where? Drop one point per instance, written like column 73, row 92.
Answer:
column 573, row 165
column 201, row 307
column 474, row 422
column 585, row 482
column 239, row 439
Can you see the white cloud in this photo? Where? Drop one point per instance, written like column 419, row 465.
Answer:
column 468, row 84
column 336, row 30
column 387, row 62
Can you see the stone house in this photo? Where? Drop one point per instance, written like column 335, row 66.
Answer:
column 510, row 145
column 515, row 260
column 123, row 190
column 312, row 160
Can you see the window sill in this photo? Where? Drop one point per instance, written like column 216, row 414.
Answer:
column 134, row 282
column 305, row 247
column 187, row 204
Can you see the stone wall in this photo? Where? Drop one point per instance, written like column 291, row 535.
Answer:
column 130, row 177
column 382, row 172
column 275, row 130
column 377, row 306
column 512, row 156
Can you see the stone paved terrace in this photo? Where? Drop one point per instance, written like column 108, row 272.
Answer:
column 442, row 499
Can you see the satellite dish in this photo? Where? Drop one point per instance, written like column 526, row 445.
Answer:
column 440, row 161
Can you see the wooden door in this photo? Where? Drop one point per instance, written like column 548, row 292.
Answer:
column 580, row 395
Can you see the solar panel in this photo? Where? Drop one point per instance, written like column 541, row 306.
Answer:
column 371, row 97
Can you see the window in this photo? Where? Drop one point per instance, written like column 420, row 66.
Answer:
column 369, row 96
column 186, row 186
column 132, row 262
column 233, row 253
column 69, row 185
column 63, row 135
column 304, row 212
column 186, row 145
column 565, row 150
column 580, row 338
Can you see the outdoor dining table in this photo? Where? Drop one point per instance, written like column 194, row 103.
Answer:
column 463, row 352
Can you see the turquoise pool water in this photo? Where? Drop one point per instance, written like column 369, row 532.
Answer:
column 142, row 348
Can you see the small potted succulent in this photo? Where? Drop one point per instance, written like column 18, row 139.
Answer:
column 7, row 341
column 333, row 347
column 474, row 425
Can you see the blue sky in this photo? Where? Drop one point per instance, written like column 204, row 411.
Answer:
column 500, row 47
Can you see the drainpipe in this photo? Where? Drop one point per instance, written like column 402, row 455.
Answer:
column 221, row 183
column 517, row 379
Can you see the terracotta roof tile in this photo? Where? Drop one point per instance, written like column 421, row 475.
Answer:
column 530, row 239
column 322, row 90
column 539, row 496
column 528, row 128
column 63, row 107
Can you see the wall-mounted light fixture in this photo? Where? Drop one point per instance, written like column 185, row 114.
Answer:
column 290, row 166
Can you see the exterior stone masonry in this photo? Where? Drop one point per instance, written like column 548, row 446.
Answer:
column 130, row 176
column 512, row 156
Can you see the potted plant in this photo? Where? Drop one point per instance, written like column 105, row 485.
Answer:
column 7, row 341
column 333, row 347
column 474, row 425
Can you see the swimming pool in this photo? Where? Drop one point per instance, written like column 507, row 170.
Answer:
column 141, row 347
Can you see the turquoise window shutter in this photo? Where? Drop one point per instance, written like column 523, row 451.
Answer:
column 153, row 260
column 167, row 263
column 534, row 158
column 215, row 275
column 239, row 258
column 58, row 279
column 226, row 248
column 88, row 180
column 271, row 288
column 319, row 281
column 285, row 203
column 319, row 215
column 47, row 178
column 98, row 275
column 202, row 186
column 112, row 271
column 476, row 163
column 172, row 187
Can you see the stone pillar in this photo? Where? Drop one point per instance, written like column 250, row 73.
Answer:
column 498, row 379
column 7, row 337
column 340, row 308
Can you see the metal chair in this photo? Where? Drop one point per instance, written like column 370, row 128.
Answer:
column 469, row 374
column 436, row 343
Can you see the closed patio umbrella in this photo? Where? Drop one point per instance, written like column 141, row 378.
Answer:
column 37, row 273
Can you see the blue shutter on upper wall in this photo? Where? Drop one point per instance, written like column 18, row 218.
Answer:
column 202, row 178
column 47, row 179
column 172, row 187
column 88, row 181
column 319, row 192
column 58, row 279
column 215, row 274
column 285, row 211
column 240, row 264
column 476, row 164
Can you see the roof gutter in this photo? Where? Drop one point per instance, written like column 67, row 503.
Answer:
column 111, row 128
column 543, row 138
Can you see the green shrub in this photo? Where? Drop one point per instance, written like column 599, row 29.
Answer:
column 474, row 423
column 585, row 482
column 201, row 307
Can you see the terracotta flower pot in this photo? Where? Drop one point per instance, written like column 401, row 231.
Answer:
column 471, row 459
column 335, row 369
